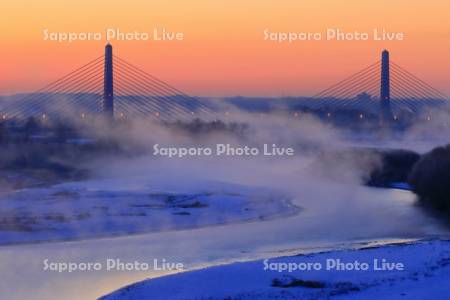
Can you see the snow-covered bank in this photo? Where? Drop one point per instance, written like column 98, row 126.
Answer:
column 111, row 207
column 418, row 270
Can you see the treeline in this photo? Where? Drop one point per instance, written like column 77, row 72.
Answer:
column 428, row 175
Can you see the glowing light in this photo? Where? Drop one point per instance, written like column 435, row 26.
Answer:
column 328, row 115
column 361, row 116
column 157, row 114
column 428, row 118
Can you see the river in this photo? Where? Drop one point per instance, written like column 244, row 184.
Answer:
column 393, row 216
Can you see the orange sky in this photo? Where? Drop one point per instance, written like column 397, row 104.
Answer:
column 224, row 52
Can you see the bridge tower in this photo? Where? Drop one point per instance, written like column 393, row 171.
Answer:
column 385, row 90
column 108, row 87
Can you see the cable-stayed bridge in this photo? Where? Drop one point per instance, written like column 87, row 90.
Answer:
column 108, row 86
column 383, row 89
column 114, row 88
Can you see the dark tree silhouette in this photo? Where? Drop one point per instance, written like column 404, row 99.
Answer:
column 430, row 178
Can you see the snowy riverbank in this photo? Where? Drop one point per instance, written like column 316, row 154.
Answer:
column 111, row 207
column 418, row 270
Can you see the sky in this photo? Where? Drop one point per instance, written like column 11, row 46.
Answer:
column 223, row 52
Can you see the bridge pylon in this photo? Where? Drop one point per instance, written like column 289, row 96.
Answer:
column 108, row 85
column 385, row 90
